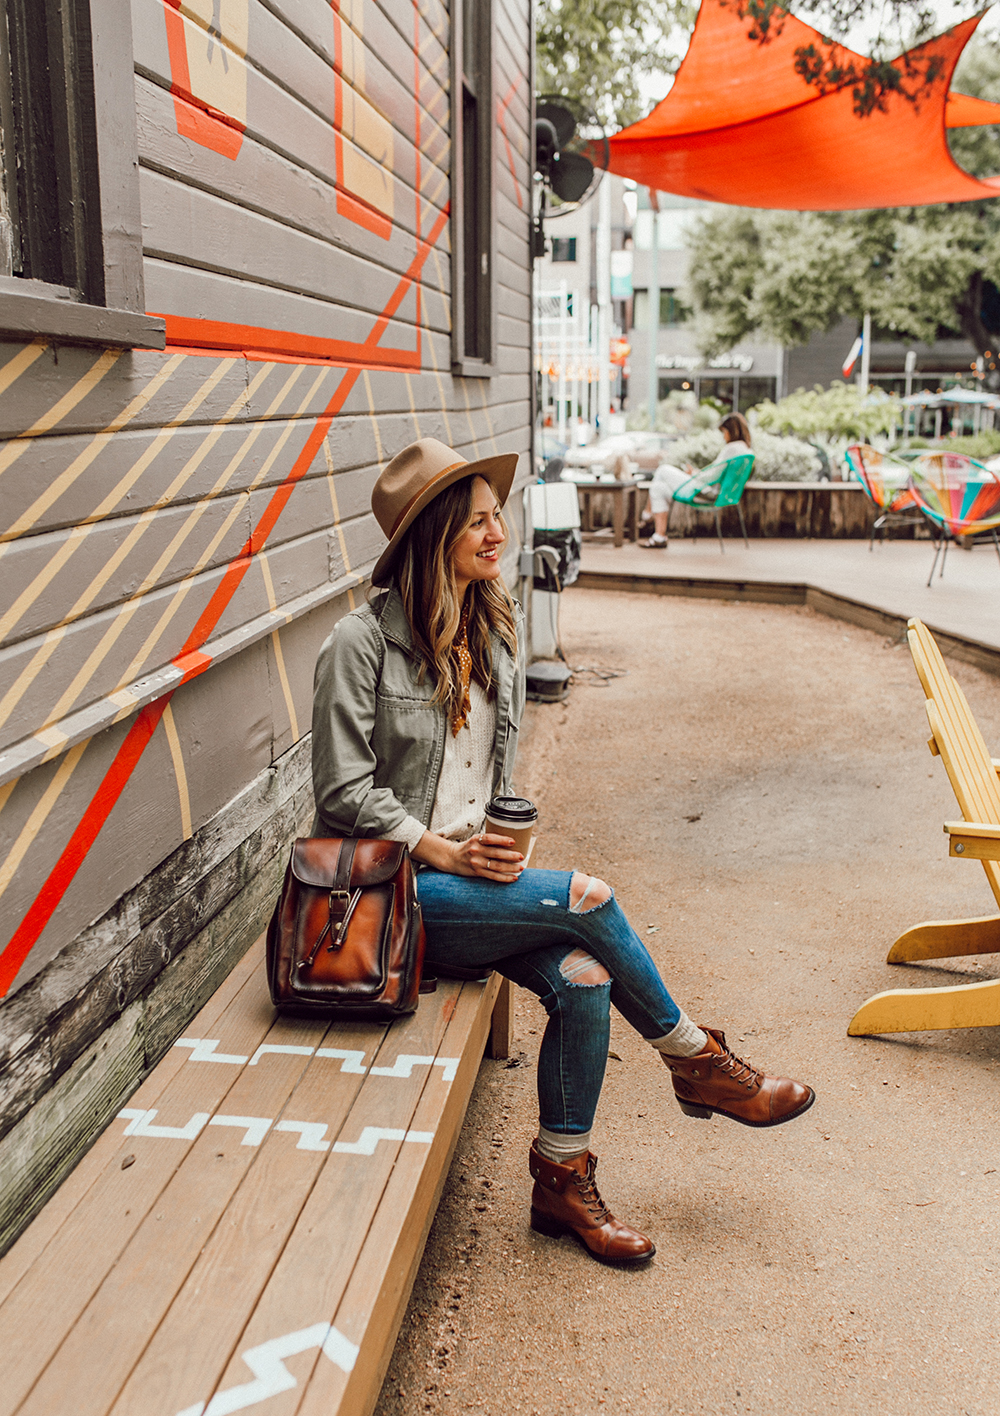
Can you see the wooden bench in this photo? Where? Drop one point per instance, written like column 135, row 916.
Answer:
column 975, row 778
column 252, row 1222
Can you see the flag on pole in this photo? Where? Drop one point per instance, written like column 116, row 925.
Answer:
column 852, row 357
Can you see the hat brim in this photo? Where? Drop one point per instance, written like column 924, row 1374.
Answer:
column 498, row 471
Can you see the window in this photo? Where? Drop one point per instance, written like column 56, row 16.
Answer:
column 70, row 233
column 564, row 248
column 473, row 283
column 672, row 310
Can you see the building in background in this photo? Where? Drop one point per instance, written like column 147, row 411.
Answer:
column 254, row 253
column 737, row 378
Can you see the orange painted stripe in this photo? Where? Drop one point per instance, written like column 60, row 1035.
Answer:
column 191, row 661
column 255, row 342
column 75, row 853
column 502, row 125
column 207, row 126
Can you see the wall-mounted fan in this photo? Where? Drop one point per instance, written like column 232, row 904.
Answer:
column 571, row 152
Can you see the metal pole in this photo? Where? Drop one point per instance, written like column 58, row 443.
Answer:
column 909, row 366
column 654, row 307
column 561, row 394
column 866, row 344
column 604, row 303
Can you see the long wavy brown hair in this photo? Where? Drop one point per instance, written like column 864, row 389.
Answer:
column 425, row 578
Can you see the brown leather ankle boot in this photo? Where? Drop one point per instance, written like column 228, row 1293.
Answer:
column 566, row 1200
column 717, row 1081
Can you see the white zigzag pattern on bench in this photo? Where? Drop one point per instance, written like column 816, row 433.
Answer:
column 272, row 1376
column 255, row 1128
column 351, row 1061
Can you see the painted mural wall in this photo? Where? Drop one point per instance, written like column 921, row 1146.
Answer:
column 179, row 531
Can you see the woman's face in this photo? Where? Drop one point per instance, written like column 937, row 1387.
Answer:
column 477, row 554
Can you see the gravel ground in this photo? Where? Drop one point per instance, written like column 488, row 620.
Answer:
column 758, row 789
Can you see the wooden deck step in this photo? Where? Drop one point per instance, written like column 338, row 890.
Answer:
column 246, row 1233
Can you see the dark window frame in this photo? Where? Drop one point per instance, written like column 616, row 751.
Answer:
column 72, row 84
column 473, row 200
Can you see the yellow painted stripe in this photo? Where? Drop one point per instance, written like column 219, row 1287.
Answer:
column 445, row 301
column 83, row 460
column 128, row 610
column 79, row 534
column 413, row 405
column 142, row 658
column 59, row 410
column 378, row 439
column 336, row 522
column 432, row 197
column 39, row 815
column 177, row 758
column 488, row 415
column 15, row 367
column 468, row 409
column 441, row 393
column 27, row 676
column 6, row 790
column 279, row 657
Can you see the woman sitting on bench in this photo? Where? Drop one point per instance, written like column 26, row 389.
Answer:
column 417, row 704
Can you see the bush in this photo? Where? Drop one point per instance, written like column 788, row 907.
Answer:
column 784, row 459
column 678, row 413
column 982, row 446
column 697, row 448
column 836, row 414
column 775, row 460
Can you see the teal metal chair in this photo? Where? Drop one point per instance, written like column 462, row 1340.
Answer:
column 715, row 487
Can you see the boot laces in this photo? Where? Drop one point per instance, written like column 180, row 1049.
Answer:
column 590, row 1195
column 741, row 1072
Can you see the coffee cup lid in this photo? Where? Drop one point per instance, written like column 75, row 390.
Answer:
column 518, row 811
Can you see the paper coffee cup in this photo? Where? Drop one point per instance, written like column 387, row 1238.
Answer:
column 515, row 817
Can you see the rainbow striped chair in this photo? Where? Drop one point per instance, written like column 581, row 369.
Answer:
column 960, row 497
column 886, row 483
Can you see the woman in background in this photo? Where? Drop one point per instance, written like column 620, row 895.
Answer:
column 667, row 479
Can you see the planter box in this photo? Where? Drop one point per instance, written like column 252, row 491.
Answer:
column 836, row 510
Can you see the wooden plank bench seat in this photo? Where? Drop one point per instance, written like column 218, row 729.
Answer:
column 246, row 1233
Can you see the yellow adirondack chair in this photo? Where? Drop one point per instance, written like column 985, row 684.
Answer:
column 973, row 774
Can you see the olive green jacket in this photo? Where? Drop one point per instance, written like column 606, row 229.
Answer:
column 377, row 740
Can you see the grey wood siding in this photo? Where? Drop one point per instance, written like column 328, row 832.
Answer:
column 179, row 530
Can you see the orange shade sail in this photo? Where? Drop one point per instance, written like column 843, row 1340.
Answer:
column 741, row 126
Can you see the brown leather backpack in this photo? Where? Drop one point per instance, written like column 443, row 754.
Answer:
column 346, row 939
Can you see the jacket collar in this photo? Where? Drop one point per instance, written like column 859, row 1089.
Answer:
column 392, row 618
column 395, row 625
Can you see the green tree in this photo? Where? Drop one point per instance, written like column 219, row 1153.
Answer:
column 916, row 270
column 595, row 51
column 827, row 64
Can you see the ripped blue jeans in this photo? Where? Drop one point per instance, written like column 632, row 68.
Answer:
column 527, row 932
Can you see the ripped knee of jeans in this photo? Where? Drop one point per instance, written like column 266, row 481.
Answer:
column 581, row 968
column 589, row 891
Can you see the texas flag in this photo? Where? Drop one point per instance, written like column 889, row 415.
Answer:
column 852, row 357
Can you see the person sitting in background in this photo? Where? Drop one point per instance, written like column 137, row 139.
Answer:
column 667, row 479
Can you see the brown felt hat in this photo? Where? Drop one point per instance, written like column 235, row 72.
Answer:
column 415, row 477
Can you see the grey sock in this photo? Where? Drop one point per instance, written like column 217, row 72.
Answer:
column 559, row 1147
column 684, row 1040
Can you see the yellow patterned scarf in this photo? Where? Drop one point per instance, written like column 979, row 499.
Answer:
column 460, row 649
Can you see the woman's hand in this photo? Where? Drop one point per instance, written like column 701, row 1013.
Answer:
column 490, row 857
